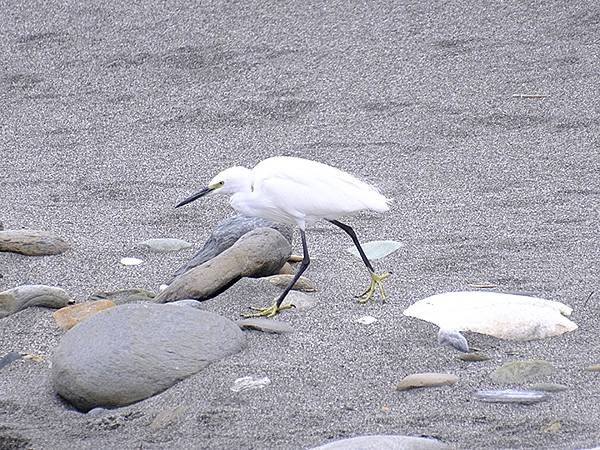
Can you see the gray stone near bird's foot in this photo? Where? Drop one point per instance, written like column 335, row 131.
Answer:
column 265, row 325
column 131, row 352
column 32, row 242
column 21, row 297
column 227, row 233
column 384, row 442
column 258, row 253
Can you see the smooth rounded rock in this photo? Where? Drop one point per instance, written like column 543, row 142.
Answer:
column 427, row 379
column 130, row 352
column 384, row 442
column 511, row 396
column 32, row 242
column 227, row 233
column 22, row 297
column 164, row 245
column 453, row 338
column 259, row 253
column 265, row 325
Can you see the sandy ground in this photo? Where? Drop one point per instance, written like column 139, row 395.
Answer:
column 113, row 112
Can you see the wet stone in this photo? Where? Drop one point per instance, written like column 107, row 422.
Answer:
column 516, row 372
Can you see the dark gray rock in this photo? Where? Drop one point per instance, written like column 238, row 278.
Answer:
column 22, row 297
column 384, row 442
column 32, row 242
column 258, row 253
column 227, row 233
column 130, row 352
column 10, row 357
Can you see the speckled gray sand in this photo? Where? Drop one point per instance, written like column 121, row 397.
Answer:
column 112, row 113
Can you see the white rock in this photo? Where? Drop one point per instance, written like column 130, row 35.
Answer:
column 376, row 249
column 249, row 383
column 504, row 316
column 366, row 320
column 131, row 261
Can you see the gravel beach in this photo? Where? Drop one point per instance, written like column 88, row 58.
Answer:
column 480, row 120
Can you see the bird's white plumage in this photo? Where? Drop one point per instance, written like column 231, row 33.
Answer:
column 298, row 191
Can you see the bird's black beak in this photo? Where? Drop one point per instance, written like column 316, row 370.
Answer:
column 196, row 196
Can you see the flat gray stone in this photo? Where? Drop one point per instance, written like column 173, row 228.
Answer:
column 227, row 233
column 376, row 249
column 524, row 397
column 265, row 325
column 384, row 442
column 130, row 352
column 21, row 297
column 516, row 372
column 123, row 296
column 164, row 245
column 32, row 242
column 258, row 253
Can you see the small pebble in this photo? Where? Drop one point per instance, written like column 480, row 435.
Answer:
column 428, row 379
column 453, row 338
column 303, row 284
column 265, row 325
column 376, row 249
column 511, row 396
column 250, row 382
column 473, row 357
column 66, row 318
column 366, row 320
column 593, row 368
column 548, row 387
column 165, row 245
column 300, row 300
column 131, row 261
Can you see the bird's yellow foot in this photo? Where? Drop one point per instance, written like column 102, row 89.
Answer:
column 270, row 311
column 376, row 282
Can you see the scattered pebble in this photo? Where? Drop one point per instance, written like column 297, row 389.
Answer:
column 127, row 261
column 123, row 296
column 511, row 396
column 428, row 379
column 22, row 297
column 295, row 258
column 473, row 357
column 162, row 287
column 265, row 325
column 593, row 368
column 548, row 387
column 163, row 245
column 300, row 300
column 516, row 372
column 302, row 284
column 376, row 249
column 167, row 417
column 32, row 242
column 453, row 338
column 366, row 320
column 250, row 382
column 552, row 427
column 66, row 318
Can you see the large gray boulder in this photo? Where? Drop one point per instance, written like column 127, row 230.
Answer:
column 227, row 233
column 131, row 352
column 258, row 253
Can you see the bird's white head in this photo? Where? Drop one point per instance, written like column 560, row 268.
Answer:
column 229, row 181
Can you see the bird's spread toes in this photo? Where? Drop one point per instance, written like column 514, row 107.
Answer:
column 269, row 311
column 376, row 283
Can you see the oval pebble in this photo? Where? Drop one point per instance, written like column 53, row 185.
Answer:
column 511, row 396
column 163, row 245
column 250, row 382
column 131, row 261
column 366, row 320
column 427, row 379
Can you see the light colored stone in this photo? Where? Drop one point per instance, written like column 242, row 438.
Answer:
column 167, row 417
column 516, row 372
column 427, row 379
column 384, row 442
column 32, row 242
column 123, row 296
column 511, row 396
column 128, row 261
column 259, row 253
column 287, row 269
column 473, row 357
column 164, row 245
column 376, row 249
column 453, row 338
column 302, row 284
column 130, row 352
column 504, row 316
column 249, row 383
column 68, row 317
column 22, row 297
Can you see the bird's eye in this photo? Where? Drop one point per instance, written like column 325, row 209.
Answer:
column 220, row 183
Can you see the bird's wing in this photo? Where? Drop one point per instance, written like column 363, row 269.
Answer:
column 309, row 189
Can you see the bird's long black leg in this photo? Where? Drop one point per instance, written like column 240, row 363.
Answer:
column 303, row 266
column 376, row 279
column 277, row 306
column 348, row 229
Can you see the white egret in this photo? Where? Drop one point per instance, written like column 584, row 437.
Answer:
column 299, row 192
